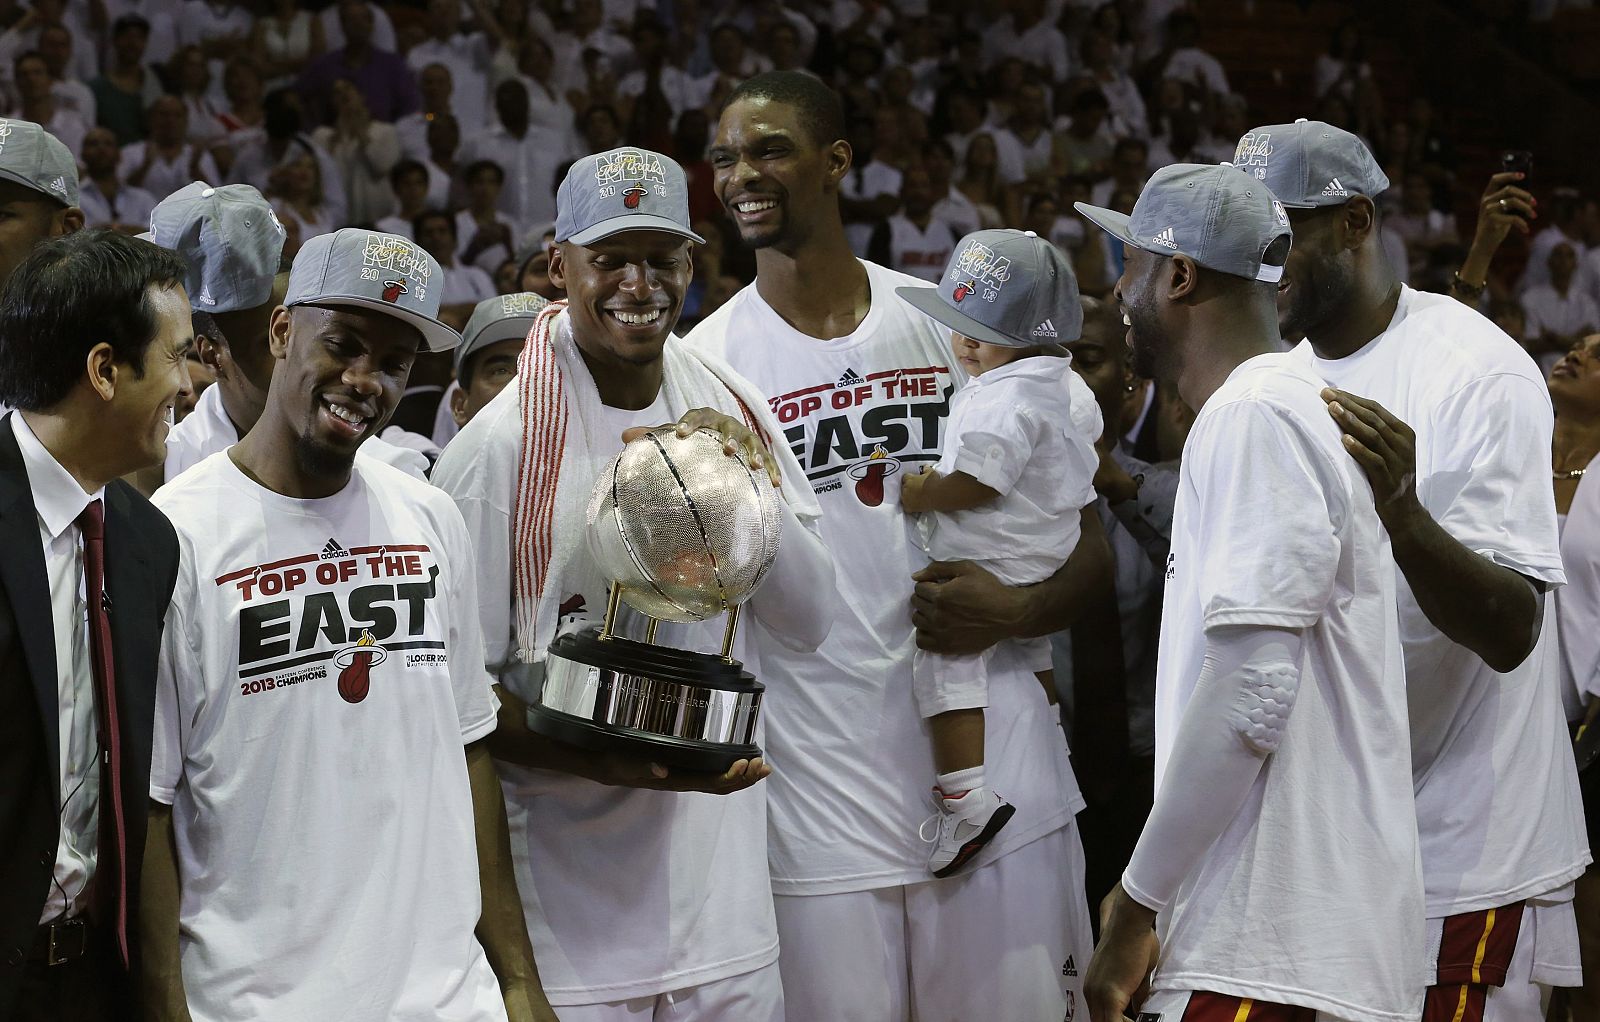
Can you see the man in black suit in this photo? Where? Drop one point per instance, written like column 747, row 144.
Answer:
column 94, row 337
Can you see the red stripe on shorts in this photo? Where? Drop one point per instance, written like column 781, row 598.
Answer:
column 1205, row 1006
column 1476, row 947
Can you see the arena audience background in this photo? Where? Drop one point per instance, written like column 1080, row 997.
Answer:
column 961, row 117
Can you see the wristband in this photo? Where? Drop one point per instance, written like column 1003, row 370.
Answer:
column 1470, row 290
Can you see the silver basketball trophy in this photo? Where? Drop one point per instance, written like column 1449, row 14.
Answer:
column 684, row 531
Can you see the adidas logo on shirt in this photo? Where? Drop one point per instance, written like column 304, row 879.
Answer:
column 851, row 378
column 59, row 185
column 332, row 549
column 1045, row 329
column 1070, row 968
column 1166, row 238
column 1336, row 189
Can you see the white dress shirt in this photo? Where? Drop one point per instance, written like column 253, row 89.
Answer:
column 59, row 500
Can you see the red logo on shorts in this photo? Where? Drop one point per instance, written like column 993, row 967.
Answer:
column 632, row 194
column 962, row 290
column 393, row 289
column 358, row 662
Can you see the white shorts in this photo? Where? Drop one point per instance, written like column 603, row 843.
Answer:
column 944, row 683
column 750, row 997
column 1010, row 940
column 1544, row 956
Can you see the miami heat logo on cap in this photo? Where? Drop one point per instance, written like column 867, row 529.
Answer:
column 978, row 265
column 635, row 166
column 400, row 265
column 358, row 661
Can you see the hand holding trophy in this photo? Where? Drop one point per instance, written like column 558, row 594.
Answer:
column 684, row 532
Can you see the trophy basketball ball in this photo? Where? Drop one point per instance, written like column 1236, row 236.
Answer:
column 684, row 532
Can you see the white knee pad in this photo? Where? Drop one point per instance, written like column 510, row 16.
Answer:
column 1261, row 710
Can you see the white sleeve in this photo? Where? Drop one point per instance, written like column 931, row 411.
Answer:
column 996, row 440
column 1272, row 497
column 1486, row 479
column 463, row 472
column 175, row 686
column 799, row 597
column 1533, row 322
column 1241, row 703
column 475, row 702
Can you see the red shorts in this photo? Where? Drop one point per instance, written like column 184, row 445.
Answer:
column 1205, row 1006
column 1474, row 954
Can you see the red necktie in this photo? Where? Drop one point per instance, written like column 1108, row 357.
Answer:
column 111, row 874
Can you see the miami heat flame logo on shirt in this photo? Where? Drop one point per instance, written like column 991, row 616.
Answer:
column 358, row 662
column 871, row 474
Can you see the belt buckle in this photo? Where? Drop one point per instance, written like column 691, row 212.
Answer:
column 69, row 939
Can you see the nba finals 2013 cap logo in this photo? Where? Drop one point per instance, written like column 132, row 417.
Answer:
column 1251, row 156
column 632, row 170
column 521, row 303
column 977, row 266
column 397, row 261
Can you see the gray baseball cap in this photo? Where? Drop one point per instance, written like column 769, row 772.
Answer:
column 1215, row 215
column 370, row 270
column 1310, row 163
column 627, row 189
column 1005, row 287
column 34, row 158
column 229, row 238
column 501, row 318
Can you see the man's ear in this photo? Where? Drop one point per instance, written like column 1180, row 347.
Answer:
column 68, row 221
column 458, row 406
column 1359, row 222
column 1182, row 277
column 840, row 159
column 278, row 332
column 101, row 368
column 211, row 352
column 558, row 266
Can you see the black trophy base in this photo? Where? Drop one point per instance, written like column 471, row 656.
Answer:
column 693, row 711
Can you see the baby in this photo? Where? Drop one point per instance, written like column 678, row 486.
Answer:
column 1018, row 464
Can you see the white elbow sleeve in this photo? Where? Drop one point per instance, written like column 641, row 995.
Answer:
column 1260, row 710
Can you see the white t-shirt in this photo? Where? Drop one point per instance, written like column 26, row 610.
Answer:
column 627, row 892
column 867, row 181
column 920, row 252
column 851, row 755
column 1026, row 429
column 1313, row 893
column 1548, row 312
column 207, row 430
column 467, row 57
column 323, row 814
column 465, row 285
column 1497, row 799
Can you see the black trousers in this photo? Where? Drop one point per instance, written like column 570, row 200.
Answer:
column 1110, row 827
column 88, row 989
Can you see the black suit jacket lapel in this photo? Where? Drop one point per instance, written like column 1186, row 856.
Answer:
column 27, row 584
